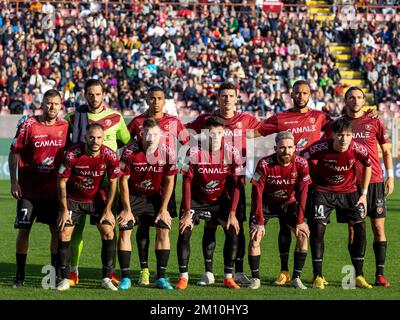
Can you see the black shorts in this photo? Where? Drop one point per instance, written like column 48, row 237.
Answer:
column 376, row 201
column 344, row 203
column 207, row 212
column 29, row 210
column 145, row 210
column 76, row 209
column 286, row 213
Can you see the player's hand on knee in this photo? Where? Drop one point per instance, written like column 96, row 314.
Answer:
column 257, row 232
column 125, row 216
column 302, row 230
column 233, row 221
column 185, row 222
column 16, row 191
column 63, row 218
column 164, row 216
column 108, row 217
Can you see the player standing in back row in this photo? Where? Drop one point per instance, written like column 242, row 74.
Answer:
column 371, row 132
column 237, row 125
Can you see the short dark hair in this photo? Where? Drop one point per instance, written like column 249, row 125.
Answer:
column 150, row 123
column 51, row 94
column 155, row 88
column 93, row 83
column 214, row 121
column 94, row 126
column 226, row 86
column 300, row 82
column 342, row 124
column 353, row 88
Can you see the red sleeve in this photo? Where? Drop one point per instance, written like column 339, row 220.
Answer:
column 197, row 124
column 171, row 168
column 113, row 169
column 186, row 187
column 361, row 154
column 133, row 128
column 269, row 126
column 302, row 191
column 258, row 182
column 125, row 163
column 20, row 139
column 65, row 168
column 381, row 133
column 326, row 122
column 328, row 130
column 254, row 123
column 183, row 134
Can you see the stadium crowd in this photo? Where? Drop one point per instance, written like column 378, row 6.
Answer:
column 188, row 50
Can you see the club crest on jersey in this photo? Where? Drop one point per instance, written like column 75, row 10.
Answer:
column 368, row 127
column 166, row 127
column 239, row 125
column 351, row 161
column 293, row 174
column 103, row 166
column 312, row 120
column 212, row 184
column 108, row 122
column 60, row 133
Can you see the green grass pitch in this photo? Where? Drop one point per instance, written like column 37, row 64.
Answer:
column 336, row 256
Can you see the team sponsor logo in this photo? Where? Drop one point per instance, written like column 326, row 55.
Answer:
column 281, row 194
column 338, row 168
column 38, row 136
column 212, row 184
column 302, row 143
column 312, row 120
column 319, row 147
column 232, row 133
column 290, row 122
column 278, row 182
column 360, row 148
column 336, row 179
column 48, row 161
column 223, row 170
column 48, row 143
column 110, row 153
column 298, row 130
column 61, row 169
column 239, row 125
column 145, row 184
column 148, row 169
column 361, row 135
column 87, row 181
